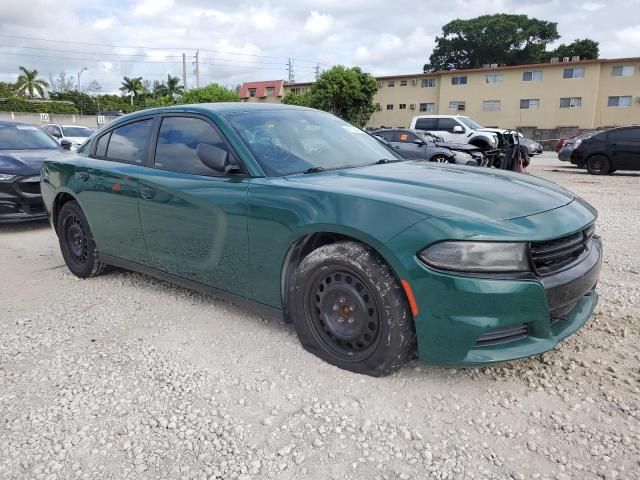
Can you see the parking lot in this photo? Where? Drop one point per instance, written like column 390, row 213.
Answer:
column 123, row 376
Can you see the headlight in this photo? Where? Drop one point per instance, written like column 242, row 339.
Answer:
column 477, row 256
column 5, row 177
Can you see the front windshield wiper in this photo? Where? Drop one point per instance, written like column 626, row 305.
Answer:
column 313, row 170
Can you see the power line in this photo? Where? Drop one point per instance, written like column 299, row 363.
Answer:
column 150, row 47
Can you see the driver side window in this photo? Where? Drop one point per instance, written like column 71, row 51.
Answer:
column 178, row 140
column 447, row 125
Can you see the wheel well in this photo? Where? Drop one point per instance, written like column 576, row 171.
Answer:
column 481, row 144
column 303, row 247
column 59, row 201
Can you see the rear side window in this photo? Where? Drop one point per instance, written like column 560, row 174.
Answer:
column 625, row 135
column 101, row 147
column 178, row 141
column 426, row 124
column 129, row 142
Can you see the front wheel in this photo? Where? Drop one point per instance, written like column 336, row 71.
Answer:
column 349, row 309
column 76, row 242
column 598, row 165
column 440, row 159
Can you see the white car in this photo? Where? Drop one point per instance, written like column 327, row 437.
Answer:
column 76, row 134
column 457, row 129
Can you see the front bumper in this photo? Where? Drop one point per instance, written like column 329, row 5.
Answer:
column 21, row 201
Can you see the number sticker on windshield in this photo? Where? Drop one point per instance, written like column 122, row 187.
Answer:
column 26, row 127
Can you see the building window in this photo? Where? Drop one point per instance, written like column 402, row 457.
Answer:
column 575, row 72
column 378, row 107
column 391, row 83
column 493, row 78
column 428, row 82
column 570, row 102
column 457, row 105
column 389, row 106
column 252, row 92
column 535, row 75
column 403, row 83
column 530, row 104
column 427, row 107
column 623, row 71
column 491, row 105
column 624, row 101
column 459, row 80
column 402, row 106
column 270, row 91
column 380, row 84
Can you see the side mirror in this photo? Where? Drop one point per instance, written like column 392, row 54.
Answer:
column 213, row 157
column 458, row 129
column 419, row 142
column 66, row 144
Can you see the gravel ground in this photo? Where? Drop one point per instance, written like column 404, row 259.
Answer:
column 123, row 376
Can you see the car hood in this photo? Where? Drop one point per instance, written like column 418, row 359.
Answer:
column 24, row 162
column 444, row 190
column 76, row 140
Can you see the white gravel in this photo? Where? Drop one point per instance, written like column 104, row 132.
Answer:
column 123, row 376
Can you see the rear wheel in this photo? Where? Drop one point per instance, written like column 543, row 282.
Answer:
column 76, row 242
column 348, row 309
column 598, row 165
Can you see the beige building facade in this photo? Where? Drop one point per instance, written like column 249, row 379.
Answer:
column 561, row 94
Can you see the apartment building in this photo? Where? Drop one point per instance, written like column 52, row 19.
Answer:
column 270, row 91
column 565, row 93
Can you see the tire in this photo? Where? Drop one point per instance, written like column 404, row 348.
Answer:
column 76, row 242
column 440, row 159
column 349, row 309
column 598, row 165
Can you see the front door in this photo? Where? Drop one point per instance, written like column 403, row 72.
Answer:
column 446, row 130
column 624, row 148
column 108, row 190
column 409, row 145
column 194, row 219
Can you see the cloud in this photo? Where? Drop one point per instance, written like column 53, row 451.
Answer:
column 152, row 7
column 318, row 24
column 103, row 23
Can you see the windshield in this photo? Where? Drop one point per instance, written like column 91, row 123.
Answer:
column 429, row 136
column 25, row 137
column 285, row 142
column 470, row 122
column 77, row 131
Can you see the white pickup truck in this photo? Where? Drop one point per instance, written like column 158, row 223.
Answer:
column 459, row 129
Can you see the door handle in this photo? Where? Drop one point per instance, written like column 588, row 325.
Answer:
column 84, row 176
column 147, row 193
column 397, row 147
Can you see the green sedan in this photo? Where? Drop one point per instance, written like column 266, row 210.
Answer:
column 304, row 217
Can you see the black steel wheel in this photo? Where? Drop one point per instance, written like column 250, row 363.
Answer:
column 343, row 314
column 76, row 242
column 598, row 165
column 349, row 309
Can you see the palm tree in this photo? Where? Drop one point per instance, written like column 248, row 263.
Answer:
column 173, row 86
column 29, row 82
column 132, row 86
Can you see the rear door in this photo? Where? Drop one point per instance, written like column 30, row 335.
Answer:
column 108, row 189
column 194, row 219
column 624, row 148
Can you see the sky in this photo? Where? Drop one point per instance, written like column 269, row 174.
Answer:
column 247, row 41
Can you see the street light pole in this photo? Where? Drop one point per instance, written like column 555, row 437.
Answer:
column 80, row 73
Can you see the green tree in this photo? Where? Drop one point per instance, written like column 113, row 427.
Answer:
column 499, row 38
column 132, row 87
column 7, row 89
column 586, row 49
column 302, row 100
column 210, row 94
column 173, row 86
column 345, row 92
column 29, row 83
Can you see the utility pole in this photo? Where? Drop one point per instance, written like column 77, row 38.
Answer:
column 317, row 71
column 80, row 73
column 184, row 71
column 197, row 70
column 292, row 76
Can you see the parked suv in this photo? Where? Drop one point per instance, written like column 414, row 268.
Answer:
column 605, row 152
column 457, row 128
column 76, row 134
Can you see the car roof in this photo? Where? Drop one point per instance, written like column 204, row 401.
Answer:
column 439, row 116
column 11, row 123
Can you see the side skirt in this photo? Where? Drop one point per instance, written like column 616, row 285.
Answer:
column 261, row 309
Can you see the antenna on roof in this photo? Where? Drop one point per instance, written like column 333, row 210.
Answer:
column 292, row 75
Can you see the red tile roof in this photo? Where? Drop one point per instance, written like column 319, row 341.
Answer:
column 261, row 88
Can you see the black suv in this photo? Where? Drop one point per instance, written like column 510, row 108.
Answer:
column 605, row 152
